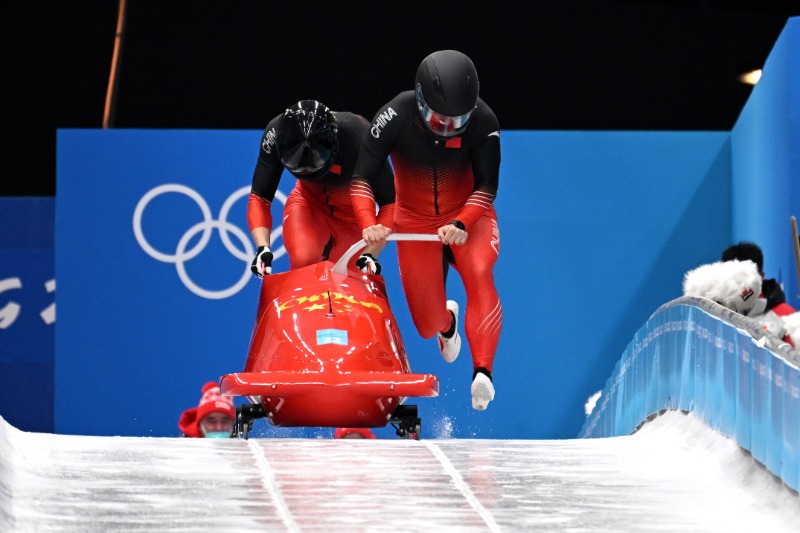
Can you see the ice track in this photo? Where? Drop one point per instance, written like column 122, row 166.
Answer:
column 674, row 475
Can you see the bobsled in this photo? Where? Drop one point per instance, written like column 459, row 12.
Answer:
column 326, row 351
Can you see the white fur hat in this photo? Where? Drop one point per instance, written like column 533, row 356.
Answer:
column 733, row 284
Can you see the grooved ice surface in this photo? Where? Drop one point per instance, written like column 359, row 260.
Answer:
column 675, row 474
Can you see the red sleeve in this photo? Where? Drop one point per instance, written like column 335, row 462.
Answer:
column 476, row 205
column 188, row 423
column 485, row 167
column 783, row 309
column 259, row 214
column 363, row 203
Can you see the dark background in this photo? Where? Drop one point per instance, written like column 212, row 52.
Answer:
column 234, row 64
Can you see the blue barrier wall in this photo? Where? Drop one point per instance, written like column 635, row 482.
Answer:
column 27, row 312
column 697, row 356
column 597, row 229
column 766, row 161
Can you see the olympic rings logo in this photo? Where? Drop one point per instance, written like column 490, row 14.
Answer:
column 207, row 226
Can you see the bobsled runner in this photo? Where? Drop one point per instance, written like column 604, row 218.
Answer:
column 326, row 351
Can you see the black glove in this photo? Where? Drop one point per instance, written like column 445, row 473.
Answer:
column 262, row 262
column 368, row 264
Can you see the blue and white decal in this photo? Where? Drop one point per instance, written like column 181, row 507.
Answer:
column 332, row 336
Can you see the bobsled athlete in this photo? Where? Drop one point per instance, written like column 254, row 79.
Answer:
column 320, row 148
column 444, row 143
column 212, row 418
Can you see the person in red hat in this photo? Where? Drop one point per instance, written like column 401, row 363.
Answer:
column 212, row 418
column 354, row 433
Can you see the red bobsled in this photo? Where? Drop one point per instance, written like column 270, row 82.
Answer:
column 326, row 352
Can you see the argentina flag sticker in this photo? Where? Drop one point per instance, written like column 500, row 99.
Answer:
column 332, row 336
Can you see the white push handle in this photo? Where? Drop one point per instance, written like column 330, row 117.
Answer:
column 341, row 265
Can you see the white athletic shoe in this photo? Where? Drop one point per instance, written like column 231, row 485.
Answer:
column 450, row 347
column 482, row 391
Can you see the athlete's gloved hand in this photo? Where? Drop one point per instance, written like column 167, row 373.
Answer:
column 262, row 262
column 368, row 264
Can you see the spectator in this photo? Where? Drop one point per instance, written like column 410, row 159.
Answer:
column 770, row 308
column 212, row 418
column 320, row 148
column 772, row 296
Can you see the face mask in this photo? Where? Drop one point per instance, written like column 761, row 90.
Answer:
column 217, row 435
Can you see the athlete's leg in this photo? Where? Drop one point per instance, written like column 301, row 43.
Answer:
column 304, row 234
column 423, row 284
column 475, row 262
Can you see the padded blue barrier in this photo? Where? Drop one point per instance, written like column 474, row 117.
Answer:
column 695, row 355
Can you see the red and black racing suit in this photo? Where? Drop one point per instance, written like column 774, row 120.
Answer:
column 318, row 218
column 438, row 180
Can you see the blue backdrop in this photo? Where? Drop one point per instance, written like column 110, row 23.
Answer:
column 597, row 230
column 766, row 165
column 27, row 312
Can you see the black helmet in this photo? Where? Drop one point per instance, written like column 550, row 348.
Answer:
column 447, row 91
column 306, row 139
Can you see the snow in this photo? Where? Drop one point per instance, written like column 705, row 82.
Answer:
column 675, row 474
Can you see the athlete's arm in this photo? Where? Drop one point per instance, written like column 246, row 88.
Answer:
column 373, row 181
column 485, row 156
column 266, row 178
